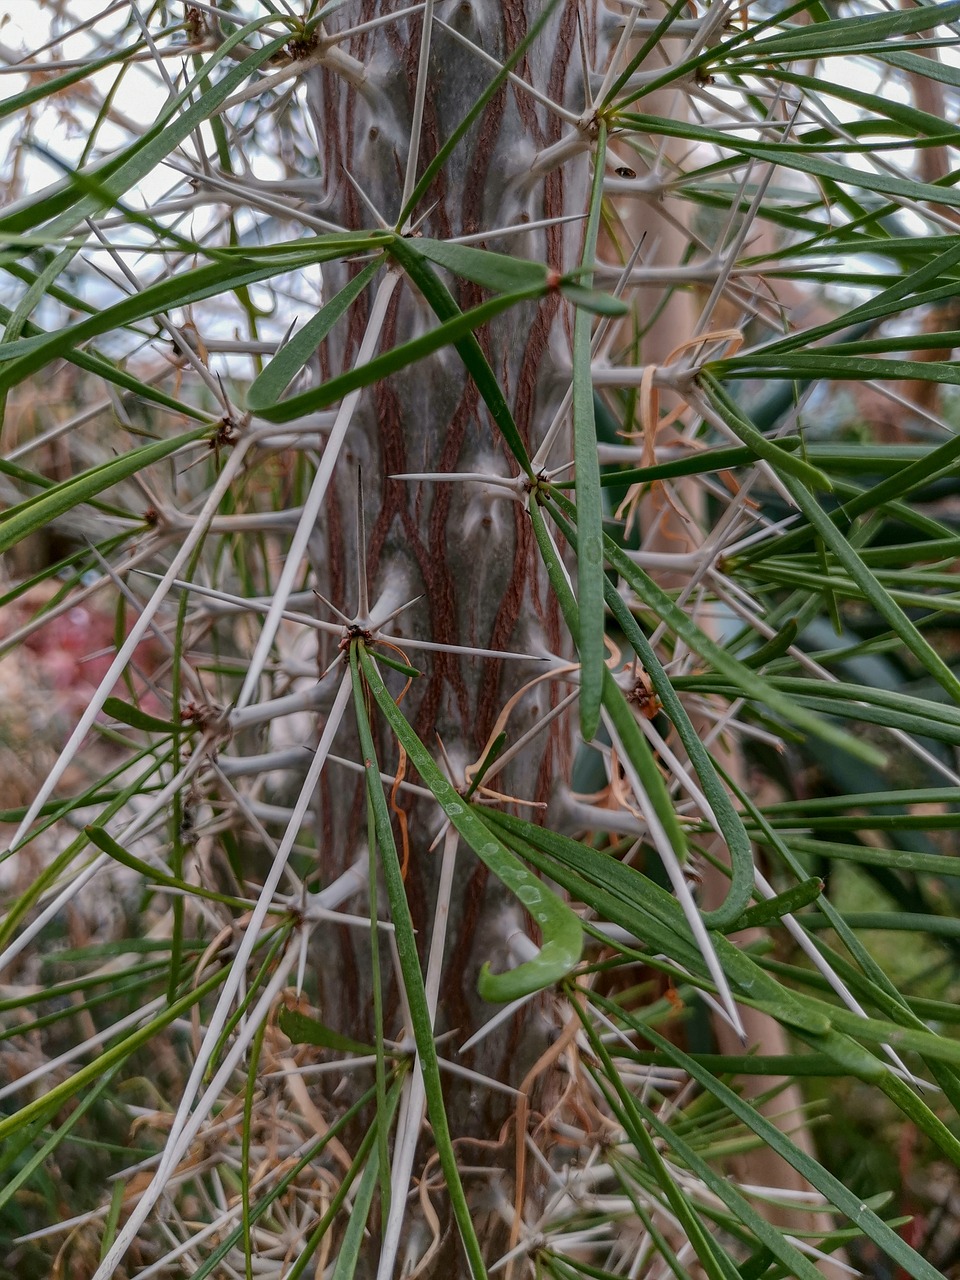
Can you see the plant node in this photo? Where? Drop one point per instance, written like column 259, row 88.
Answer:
column 208, row 717
column 353, row 632
column 303, row 45
column 643, row 697
column 195, row 25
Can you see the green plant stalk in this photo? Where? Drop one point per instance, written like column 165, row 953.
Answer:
column 410, row 963
column 253, row 1068
column 614, row 700
column 376, row 984
column 731, row 825
column 590, row 575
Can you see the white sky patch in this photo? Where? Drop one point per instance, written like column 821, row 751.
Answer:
column 98, row 118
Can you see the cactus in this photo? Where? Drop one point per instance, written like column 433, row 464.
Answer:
column 450, row 490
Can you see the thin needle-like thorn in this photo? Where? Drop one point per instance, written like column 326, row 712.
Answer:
column 380, row 623
column 584, row 66
column 333, row 608
column 363, row 601
column 380, row 220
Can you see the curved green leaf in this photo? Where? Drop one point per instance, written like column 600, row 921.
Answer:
column 562, row 934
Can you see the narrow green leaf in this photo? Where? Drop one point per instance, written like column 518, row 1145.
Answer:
column 879, row 598
column 58, row 205
column 649, row 911
column 496, row 747
column 728, row 820
column 795, row 1264
column 849, row 35
column 126, row 713
column 838, row 367
column 368, row 1159
column 51, row 1102
column 14, row 1184
column 443, row 154
column 613, row 700
column 748, row 682
column 594, row 301
column 279, row 1188
column 711, row 1255
column 805, row 160
column 496, row 271
column 775, row 647
column 457, row 332
column 764, row 913
column 348, row 1254
column 469, row 349
column 287, row 363
column 810, row 1169
column 562, row 934
column 697, row 462
column 39, row 511
column 412, row 673
column 27, row 355
column 103, row 840
column 302, row 1029
column 590, row 571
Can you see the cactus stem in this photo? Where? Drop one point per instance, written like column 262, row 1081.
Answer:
column 569, row 116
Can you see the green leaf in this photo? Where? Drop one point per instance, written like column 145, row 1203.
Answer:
column 50, row 1103
column 810, row 1169
column 58, row 206
column 848, row 35
column 302, row 1029
column 655, row 917
column 562, row 934
column 126, row 713
column 458, row 332
column 103, row 840
column 496, row 271
column 727, row 818
column 495, row 748
column 39, row 511
column 287, row 363
column 783, row 904
column 469, row 349
column 457, row 134
column 590, row 574
column 592, row 300
column 748, row 682
column 182, row 290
